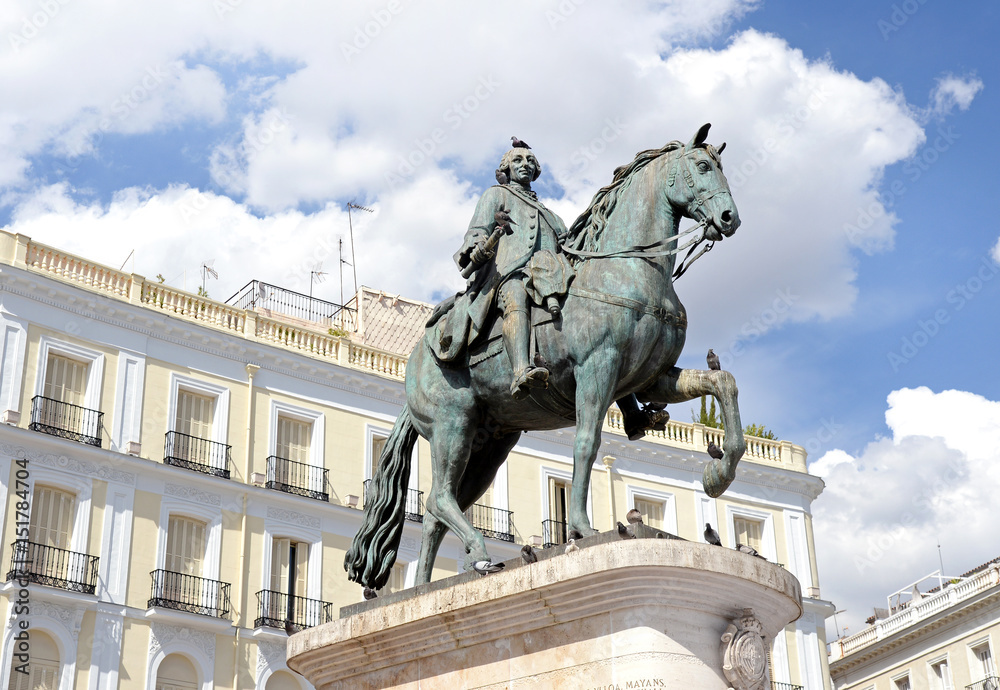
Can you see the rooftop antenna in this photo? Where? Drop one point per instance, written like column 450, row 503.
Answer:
column 941, row 563
column 318, row 274
column 206, row 271
column 340, row 242
column 126, row 261
column 350, row 225
column 835, row 621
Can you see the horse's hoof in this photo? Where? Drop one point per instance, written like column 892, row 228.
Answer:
column 715, row 481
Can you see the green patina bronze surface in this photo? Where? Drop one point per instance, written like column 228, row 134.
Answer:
column 611, row 328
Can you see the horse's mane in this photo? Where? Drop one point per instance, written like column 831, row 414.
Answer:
column 585, row 232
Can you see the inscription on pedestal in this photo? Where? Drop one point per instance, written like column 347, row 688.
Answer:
column 630, row 684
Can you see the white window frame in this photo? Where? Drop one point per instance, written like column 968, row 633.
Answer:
column 931, row 676
column 210, row 515
column 665, row 497
column 900, row 676
column 797, row 545
column 371, row 431
column 301, row 535
column 129, row 387
column 13, row 346
column 95, row 367
column 547, row 473
column 79, row 487
column 974, row 659
column 767, row 543
column 220, row 415
column 317, row 437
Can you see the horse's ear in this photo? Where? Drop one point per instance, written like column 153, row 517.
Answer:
column 700, row 137
column 721, row 148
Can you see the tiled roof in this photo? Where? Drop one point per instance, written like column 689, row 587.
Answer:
column 390, row 322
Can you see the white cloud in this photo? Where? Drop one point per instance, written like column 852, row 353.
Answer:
column 883, row 513
column 950, row 92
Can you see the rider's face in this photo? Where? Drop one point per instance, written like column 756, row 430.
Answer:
column 522, row 168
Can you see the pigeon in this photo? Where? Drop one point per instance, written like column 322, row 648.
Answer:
column 571, row 546
column 711, row 536
column 290, row 628
column 501, row 177
column 518, row 144
column 634, row 517
column 714, row 451
column 749, row 550
column 487, row 567
column 624, row 532
column 528, row 554
column 502, row 218
column 574, row 534
column 713, row 361
column 369, row 593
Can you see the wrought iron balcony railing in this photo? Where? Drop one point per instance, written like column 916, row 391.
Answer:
column 775, row 685
column 987, row 683
column 198, row 454
column 47, row 565
column 290, row 613
column 189, row 593
column 414, row 503
column 66, row 420
column 553, row 533
column 495, row 523
column 296, row 478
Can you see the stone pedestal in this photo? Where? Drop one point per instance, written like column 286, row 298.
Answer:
column 638, row 613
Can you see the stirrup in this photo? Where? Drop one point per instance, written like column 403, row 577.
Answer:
column 530, row 377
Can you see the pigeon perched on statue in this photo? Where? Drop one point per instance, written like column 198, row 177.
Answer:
column 502, row 218
column 369, row 593
column 634, row 517
column 711, row 536
column 487, row 567
column 749, row 550
column 571, row 546
column 528, row 554
column 575, row 534
column 714, row 451
column 624, row 532
column 501, row 177
column 713, row 361
column 518, row 144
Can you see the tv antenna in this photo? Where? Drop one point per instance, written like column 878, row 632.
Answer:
column 317, row 274
column 350, row 225
column 206, row 271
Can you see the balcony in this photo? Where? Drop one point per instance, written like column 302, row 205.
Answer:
column 414, row 503
column 988, row 683
column 494, row 523
column 553, row 533
column 66, row 421
column 296, row 478
column 290, row 613
column 785, row 686
column 47, row 565
column 189, row 593
column 197, row 454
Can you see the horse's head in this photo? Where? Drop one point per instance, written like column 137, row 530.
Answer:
column 698, row 187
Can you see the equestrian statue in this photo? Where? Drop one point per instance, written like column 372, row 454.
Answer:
column 554, row 325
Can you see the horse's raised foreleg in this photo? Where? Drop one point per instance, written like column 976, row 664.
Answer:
column 680, row 385
column 594, row 392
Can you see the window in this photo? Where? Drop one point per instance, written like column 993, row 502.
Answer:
column 903, row 683
column 176, row 673
column 560, row 494
column 289, row 562
column 397, row 579
column 52, row 514
column 377, row 446
column 748, row 532
column 43, row 671
column 941, row 676
column 195, row 413
column 293, row 439
column 65, row 379
column 652, row 511
column 984, row 661
column 185, row 546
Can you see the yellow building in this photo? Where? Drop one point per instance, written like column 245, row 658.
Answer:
column 182, row 478
column 938, row 633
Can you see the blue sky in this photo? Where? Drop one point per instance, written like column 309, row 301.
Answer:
column 856, row 305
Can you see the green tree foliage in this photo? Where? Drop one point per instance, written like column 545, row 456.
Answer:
column 760, row 431
column 708, row 416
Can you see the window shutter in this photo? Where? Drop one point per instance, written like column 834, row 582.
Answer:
column 185, row 546
column 52, row 515
column 293, row 440
column 194, row 414
column 280, row 556
column 65, row 379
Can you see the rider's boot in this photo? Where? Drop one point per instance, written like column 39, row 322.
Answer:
column 637, row 421
column 516, row 334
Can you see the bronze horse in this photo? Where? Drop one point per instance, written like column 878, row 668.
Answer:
column 621, row 332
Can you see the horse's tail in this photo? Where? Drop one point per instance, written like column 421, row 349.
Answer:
column 370, row 558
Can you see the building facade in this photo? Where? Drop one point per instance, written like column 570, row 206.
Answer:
column 939, row 633
column 182, row 477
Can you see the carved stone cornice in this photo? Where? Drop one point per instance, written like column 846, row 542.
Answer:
column 66, row 463
column 190, row 493
column 161, row 635
column 294, row 517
